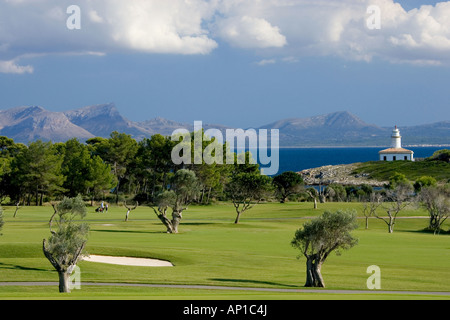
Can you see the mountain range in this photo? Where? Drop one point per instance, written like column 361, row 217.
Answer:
column 30, row 123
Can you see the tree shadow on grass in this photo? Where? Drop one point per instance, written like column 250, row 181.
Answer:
column 428, row 231
column 196, row 223
column 127, row 231
column 16, row 267
column 254, row 282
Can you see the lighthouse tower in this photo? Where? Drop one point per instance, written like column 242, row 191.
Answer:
column 396, row 138
column 396, row 152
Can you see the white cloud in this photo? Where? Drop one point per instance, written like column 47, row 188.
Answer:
column 160, row 26
column 250, row 32
column 276, row 28
column 154, row 26
column 266, row 62
column 339, row 28
column 94, row 16
column 12, row 67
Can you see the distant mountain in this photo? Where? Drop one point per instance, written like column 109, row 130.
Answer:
column 436, row 133
column 101, row 120
column 25, row 124
column 162, row 126
column 333, row 129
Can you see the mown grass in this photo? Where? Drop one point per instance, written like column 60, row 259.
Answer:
column 211, row 250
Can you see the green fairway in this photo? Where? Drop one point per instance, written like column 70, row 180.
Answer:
column 211, row 250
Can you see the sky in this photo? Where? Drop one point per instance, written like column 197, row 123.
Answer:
column 240, row 63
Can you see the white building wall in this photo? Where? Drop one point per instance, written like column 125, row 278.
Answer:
column 396, row 156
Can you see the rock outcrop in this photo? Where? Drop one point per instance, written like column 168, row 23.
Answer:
column 341, row 174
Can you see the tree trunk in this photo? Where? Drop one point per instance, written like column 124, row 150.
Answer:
column 17, row 209
column 201, row 196
column 313, row 274
column 64, row 281
column 367, row 222
column 318, row 275
column 166, row 222
column 435, row 223
column 237, row 217
column 37, row 196
column 391, row 224
column 161, row 214
column 322, row 198
column 309, row 275
column 209, row 194
column 315, row 203
column 176, row 219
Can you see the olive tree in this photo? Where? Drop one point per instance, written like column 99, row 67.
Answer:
column 321, row 236
column 286, row 184
column 184, row 189
column 437, row 202
column 65, row 247
column 246, row 190
column 370, row 206
column 129, row 209
column 396, row 200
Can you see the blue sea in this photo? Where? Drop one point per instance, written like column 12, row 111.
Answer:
column 297, row 159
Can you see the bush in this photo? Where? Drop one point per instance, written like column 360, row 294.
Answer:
column 441, row 155
column 424, row 181
column 396, row 179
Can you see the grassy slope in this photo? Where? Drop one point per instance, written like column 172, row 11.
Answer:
column 211, row 250
column 382, row 170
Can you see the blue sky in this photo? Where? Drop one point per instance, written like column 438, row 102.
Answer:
column 237, row 62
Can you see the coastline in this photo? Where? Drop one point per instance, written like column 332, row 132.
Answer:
column 356, row 146
column 340, row 174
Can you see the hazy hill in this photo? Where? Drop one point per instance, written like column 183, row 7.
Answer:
column 162, row 126
column 338, row 128
column 103, row 119
column 437, row 133
column 24, row 124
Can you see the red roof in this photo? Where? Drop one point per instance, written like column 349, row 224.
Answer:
column 396, row 150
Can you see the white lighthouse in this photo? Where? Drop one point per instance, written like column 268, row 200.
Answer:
column 396, row 152
column 396, row 138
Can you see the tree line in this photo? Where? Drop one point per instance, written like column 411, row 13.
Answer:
column 119, row 169
column 114, row 169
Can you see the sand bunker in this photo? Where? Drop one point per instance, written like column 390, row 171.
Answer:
column 127, row 261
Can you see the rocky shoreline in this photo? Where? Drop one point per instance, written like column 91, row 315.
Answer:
column 340, row 174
